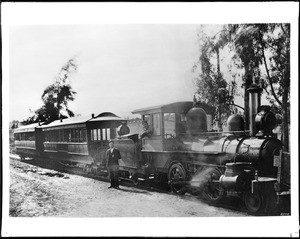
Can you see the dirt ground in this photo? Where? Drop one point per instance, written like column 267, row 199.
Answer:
column 40, row 192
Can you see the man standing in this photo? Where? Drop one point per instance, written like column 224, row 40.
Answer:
column 112, row 163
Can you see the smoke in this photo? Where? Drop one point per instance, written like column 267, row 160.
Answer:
column 202, row 176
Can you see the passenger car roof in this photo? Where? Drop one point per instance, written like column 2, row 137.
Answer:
column 67, row 121
column 105, row 116
column 27, row 128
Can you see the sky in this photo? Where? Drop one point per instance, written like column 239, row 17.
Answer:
column 120, row 67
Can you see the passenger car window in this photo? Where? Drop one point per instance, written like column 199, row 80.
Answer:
column 108, row 133
column 103, row 134
column 84, row 135
column 99, row 134
column 66, row 135
column 95, row 134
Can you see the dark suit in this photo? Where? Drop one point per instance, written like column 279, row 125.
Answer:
column 112, row 163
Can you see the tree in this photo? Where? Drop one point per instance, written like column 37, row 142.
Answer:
column 263, row 51
column 265, row 48
column 279, row 73
column 246, row 53
column 56, row 97
column 212, row 88
column 14, row 124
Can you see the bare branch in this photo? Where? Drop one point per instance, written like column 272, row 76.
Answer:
column 282, row 28
column 269, row 78
column 282, row 54
column 237, row 106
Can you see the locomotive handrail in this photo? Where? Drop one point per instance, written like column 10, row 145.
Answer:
column 68, row 143
column 221, row 132
column 207, row 164
column 182, row 151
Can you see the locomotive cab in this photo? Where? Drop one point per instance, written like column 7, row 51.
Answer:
column 168, row 124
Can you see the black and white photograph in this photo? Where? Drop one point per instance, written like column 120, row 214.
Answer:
column 150, row 119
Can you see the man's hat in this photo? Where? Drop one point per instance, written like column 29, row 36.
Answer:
column 111, row 141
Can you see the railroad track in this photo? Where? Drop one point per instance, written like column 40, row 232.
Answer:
column 144, row 185
column 63, row 168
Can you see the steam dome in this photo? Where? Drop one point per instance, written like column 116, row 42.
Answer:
column 235, row 122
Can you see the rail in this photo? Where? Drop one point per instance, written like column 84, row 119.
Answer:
column 25, row 144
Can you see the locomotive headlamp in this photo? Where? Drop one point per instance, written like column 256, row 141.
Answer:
column 265, row 120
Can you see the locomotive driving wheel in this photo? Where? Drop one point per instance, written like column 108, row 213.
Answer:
column 253, row 202
column 212, row 190
column 177, row 176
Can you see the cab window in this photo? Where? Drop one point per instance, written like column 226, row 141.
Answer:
column 156, row 124
column 169, row 125
column 147, row 119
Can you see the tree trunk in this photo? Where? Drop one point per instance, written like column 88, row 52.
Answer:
column 285, row 125
column 248, row 82
column 219, row 75
column 286, row 92
column 285, row 114
column 218, row 62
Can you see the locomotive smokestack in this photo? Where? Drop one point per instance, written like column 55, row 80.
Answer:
column 255, row 92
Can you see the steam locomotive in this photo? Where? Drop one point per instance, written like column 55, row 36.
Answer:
column 178, row 147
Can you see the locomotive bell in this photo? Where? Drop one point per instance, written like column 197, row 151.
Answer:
column 196, row 120
column 235, row 122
